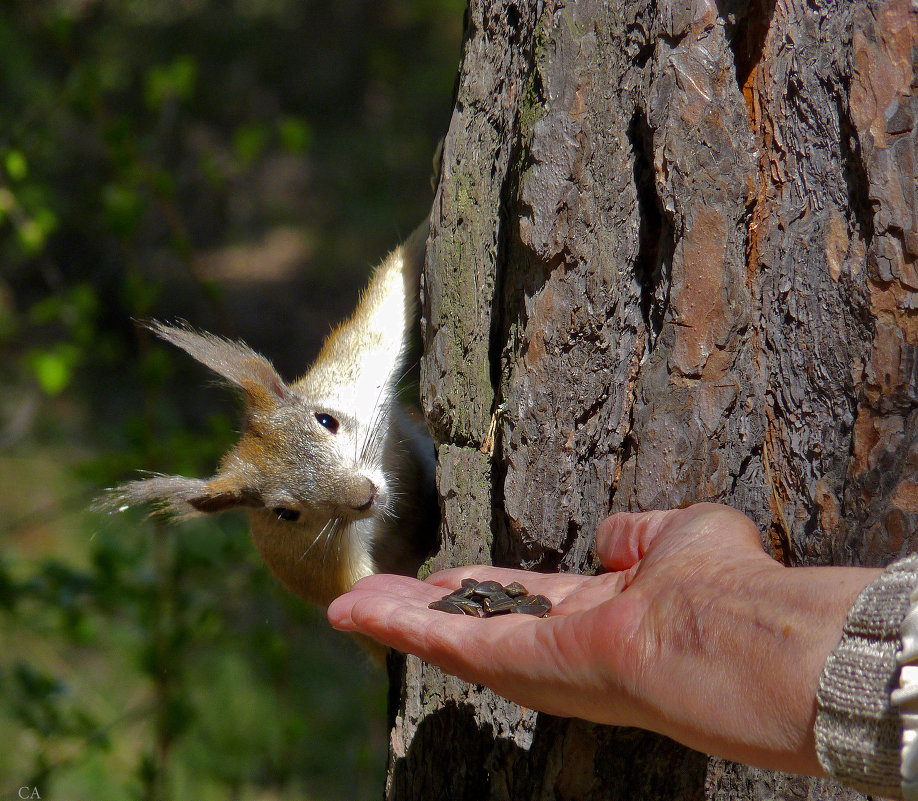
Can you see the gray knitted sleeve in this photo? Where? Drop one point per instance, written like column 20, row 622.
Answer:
column 858, row 731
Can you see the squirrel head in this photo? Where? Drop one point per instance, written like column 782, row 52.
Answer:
column 322, row 466
column 301, row 457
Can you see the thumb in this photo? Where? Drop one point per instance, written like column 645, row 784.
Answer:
column 622, row 539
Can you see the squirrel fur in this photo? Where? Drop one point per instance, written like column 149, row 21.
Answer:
column 338, row 481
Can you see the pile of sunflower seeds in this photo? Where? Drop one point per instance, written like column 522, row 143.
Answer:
column 489, row 598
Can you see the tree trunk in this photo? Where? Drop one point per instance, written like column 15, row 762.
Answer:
column 673, row 259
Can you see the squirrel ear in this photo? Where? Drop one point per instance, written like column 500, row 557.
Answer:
column 177, row 496
column 221, row 501
column 235, row 361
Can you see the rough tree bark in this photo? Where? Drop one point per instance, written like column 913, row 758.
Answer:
column 673, row 259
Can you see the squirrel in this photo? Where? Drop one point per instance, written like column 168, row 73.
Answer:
column 337, row 479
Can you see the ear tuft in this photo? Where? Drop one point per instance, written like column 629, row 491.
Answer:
column 217, row 501
column 174, row 496
column 235, row 361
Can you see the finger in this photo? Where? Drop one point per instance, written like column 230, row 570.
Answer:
column 394, row 610
column 721, row 524
column 452, row 577
column 449, row 641
column 379, row 586
column 528, row 660
column 622, row 539
column 592, row 593
column 396, row 584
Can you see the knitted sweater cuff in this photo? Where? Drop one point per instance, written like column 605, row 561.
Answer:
column 858, row 729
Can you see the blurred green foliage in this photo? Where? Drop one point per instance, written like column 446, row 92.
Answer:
column 240, row 164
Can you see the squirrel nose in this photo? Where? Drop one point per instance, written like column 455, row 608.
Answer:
column 363, row 493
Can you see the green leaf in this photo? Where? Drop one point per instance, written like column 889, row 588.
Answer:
column 54, row 367
column 249, row 142
column 175, row 81
column 47, row 310
column 31, row 237
column 33, row 233
column 296, row 134
column 53, row 372
column 16, row 165
column 46, row 220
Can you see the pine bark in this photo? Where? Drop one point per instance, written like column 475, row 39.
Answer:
column 673, row 259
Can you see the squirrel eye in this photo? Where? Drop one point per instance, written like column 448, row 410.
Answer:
column 289, row 515
column 327, row 421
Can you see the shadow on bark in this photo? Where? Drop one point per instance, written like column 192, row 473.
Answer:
column 565, row 759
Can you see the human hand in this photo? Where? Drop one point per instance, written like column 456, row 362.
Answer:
column 695, row 633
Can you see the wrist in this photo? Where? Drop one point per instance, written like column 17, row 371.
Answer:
column 757, row 636
column 818, row 600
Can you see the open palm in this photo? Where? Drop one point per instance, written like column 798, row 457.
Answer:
column 694, row 632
